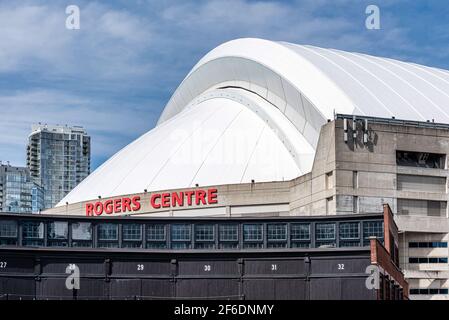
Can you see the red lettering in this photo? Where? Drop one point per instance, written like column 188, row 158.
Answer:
column 108, row 207
column 153, row 200
column 212, row 196
column 117, row 205
column 200, row 196
column 98, row 208
column 136, row 203
column 189, row 195
column 165, row 199
column 177, row 199
column 89, row 209
column 126, row 204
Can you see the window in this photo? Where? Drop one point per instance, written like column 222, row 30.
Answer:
column 300, row 244
column 58, row 230
column 428, row 291
column 81, row 231
column 181, row 236
column 204, row 232
column 180, row 245
column 253, row 245
column 132, row 235
column 132, row 232
column 229, row 232
column 349, row 230
column 277, row 232
column 107, row 232
column 8, row 229
column 156, row 245
column 180, row 232
column 156, row 232
column 33, row 233
column 252, row 232
column 204, row 245
column 229, row 245
column 300, row 231
column 372, row 229
column 325, row 231
column 325, row 235
column 57, row 234
column 420, row 159
column 427, row 244
column 277, row 245
column 427, row 260
column 349, row 234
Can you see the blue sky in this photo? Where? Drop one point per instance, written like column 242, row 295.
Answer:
column 115, row 74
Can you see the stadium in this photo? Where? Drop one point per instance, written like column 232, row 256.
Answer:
column 275, row 171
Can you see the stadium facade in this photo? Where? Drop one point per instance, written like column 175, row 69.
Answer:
column 276, row 132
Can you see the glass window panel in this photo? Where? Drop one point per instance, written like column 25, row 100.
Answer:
column 107, row 245
column 82, row 244
column 53, row 243
column 373, row 229
column 325, row 231
column 132, row 232
column 8, row 229
column 349, row 230
column 229, row 245
column 229, row 232
column 58, row 230
column 33, row 230
column 277, row 232
column 107, row 231
column 156, row 245
column 205, row 245
column 277, row 245
column 82, row 231
column 180, row 245
column 180, row 232
column 300, row 244
column 204, row 232
column 254, row 245
column 300, row 231
column 252, row 232
column 131, row 244
column 349, row 243
column 8, row 242
column 156, row 232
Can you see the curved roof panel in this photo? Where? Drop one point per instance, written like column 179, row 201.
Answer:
column 252, row 109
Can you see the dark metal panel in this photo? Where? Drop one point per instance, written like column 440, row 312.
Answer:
column 355, row 289
column 274, row 289
column 92, row 289
column 338, row 265
column 290, row 289
column 260, row 289
column 325, row 289
column 17, row 288
column 208, row 288
column 125, row 289
column 157, row 288
column 54, row 289
column 340, row 289
column 208, row 267
column 14, row 264
column 140, row 267
column 271, row 267
column 54, row 265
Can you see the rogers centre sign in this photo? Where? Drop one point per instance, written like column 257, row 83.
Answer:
column 157, row 201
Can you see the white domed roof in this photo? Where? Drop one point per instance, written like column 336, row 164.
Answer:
column 252, row 109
